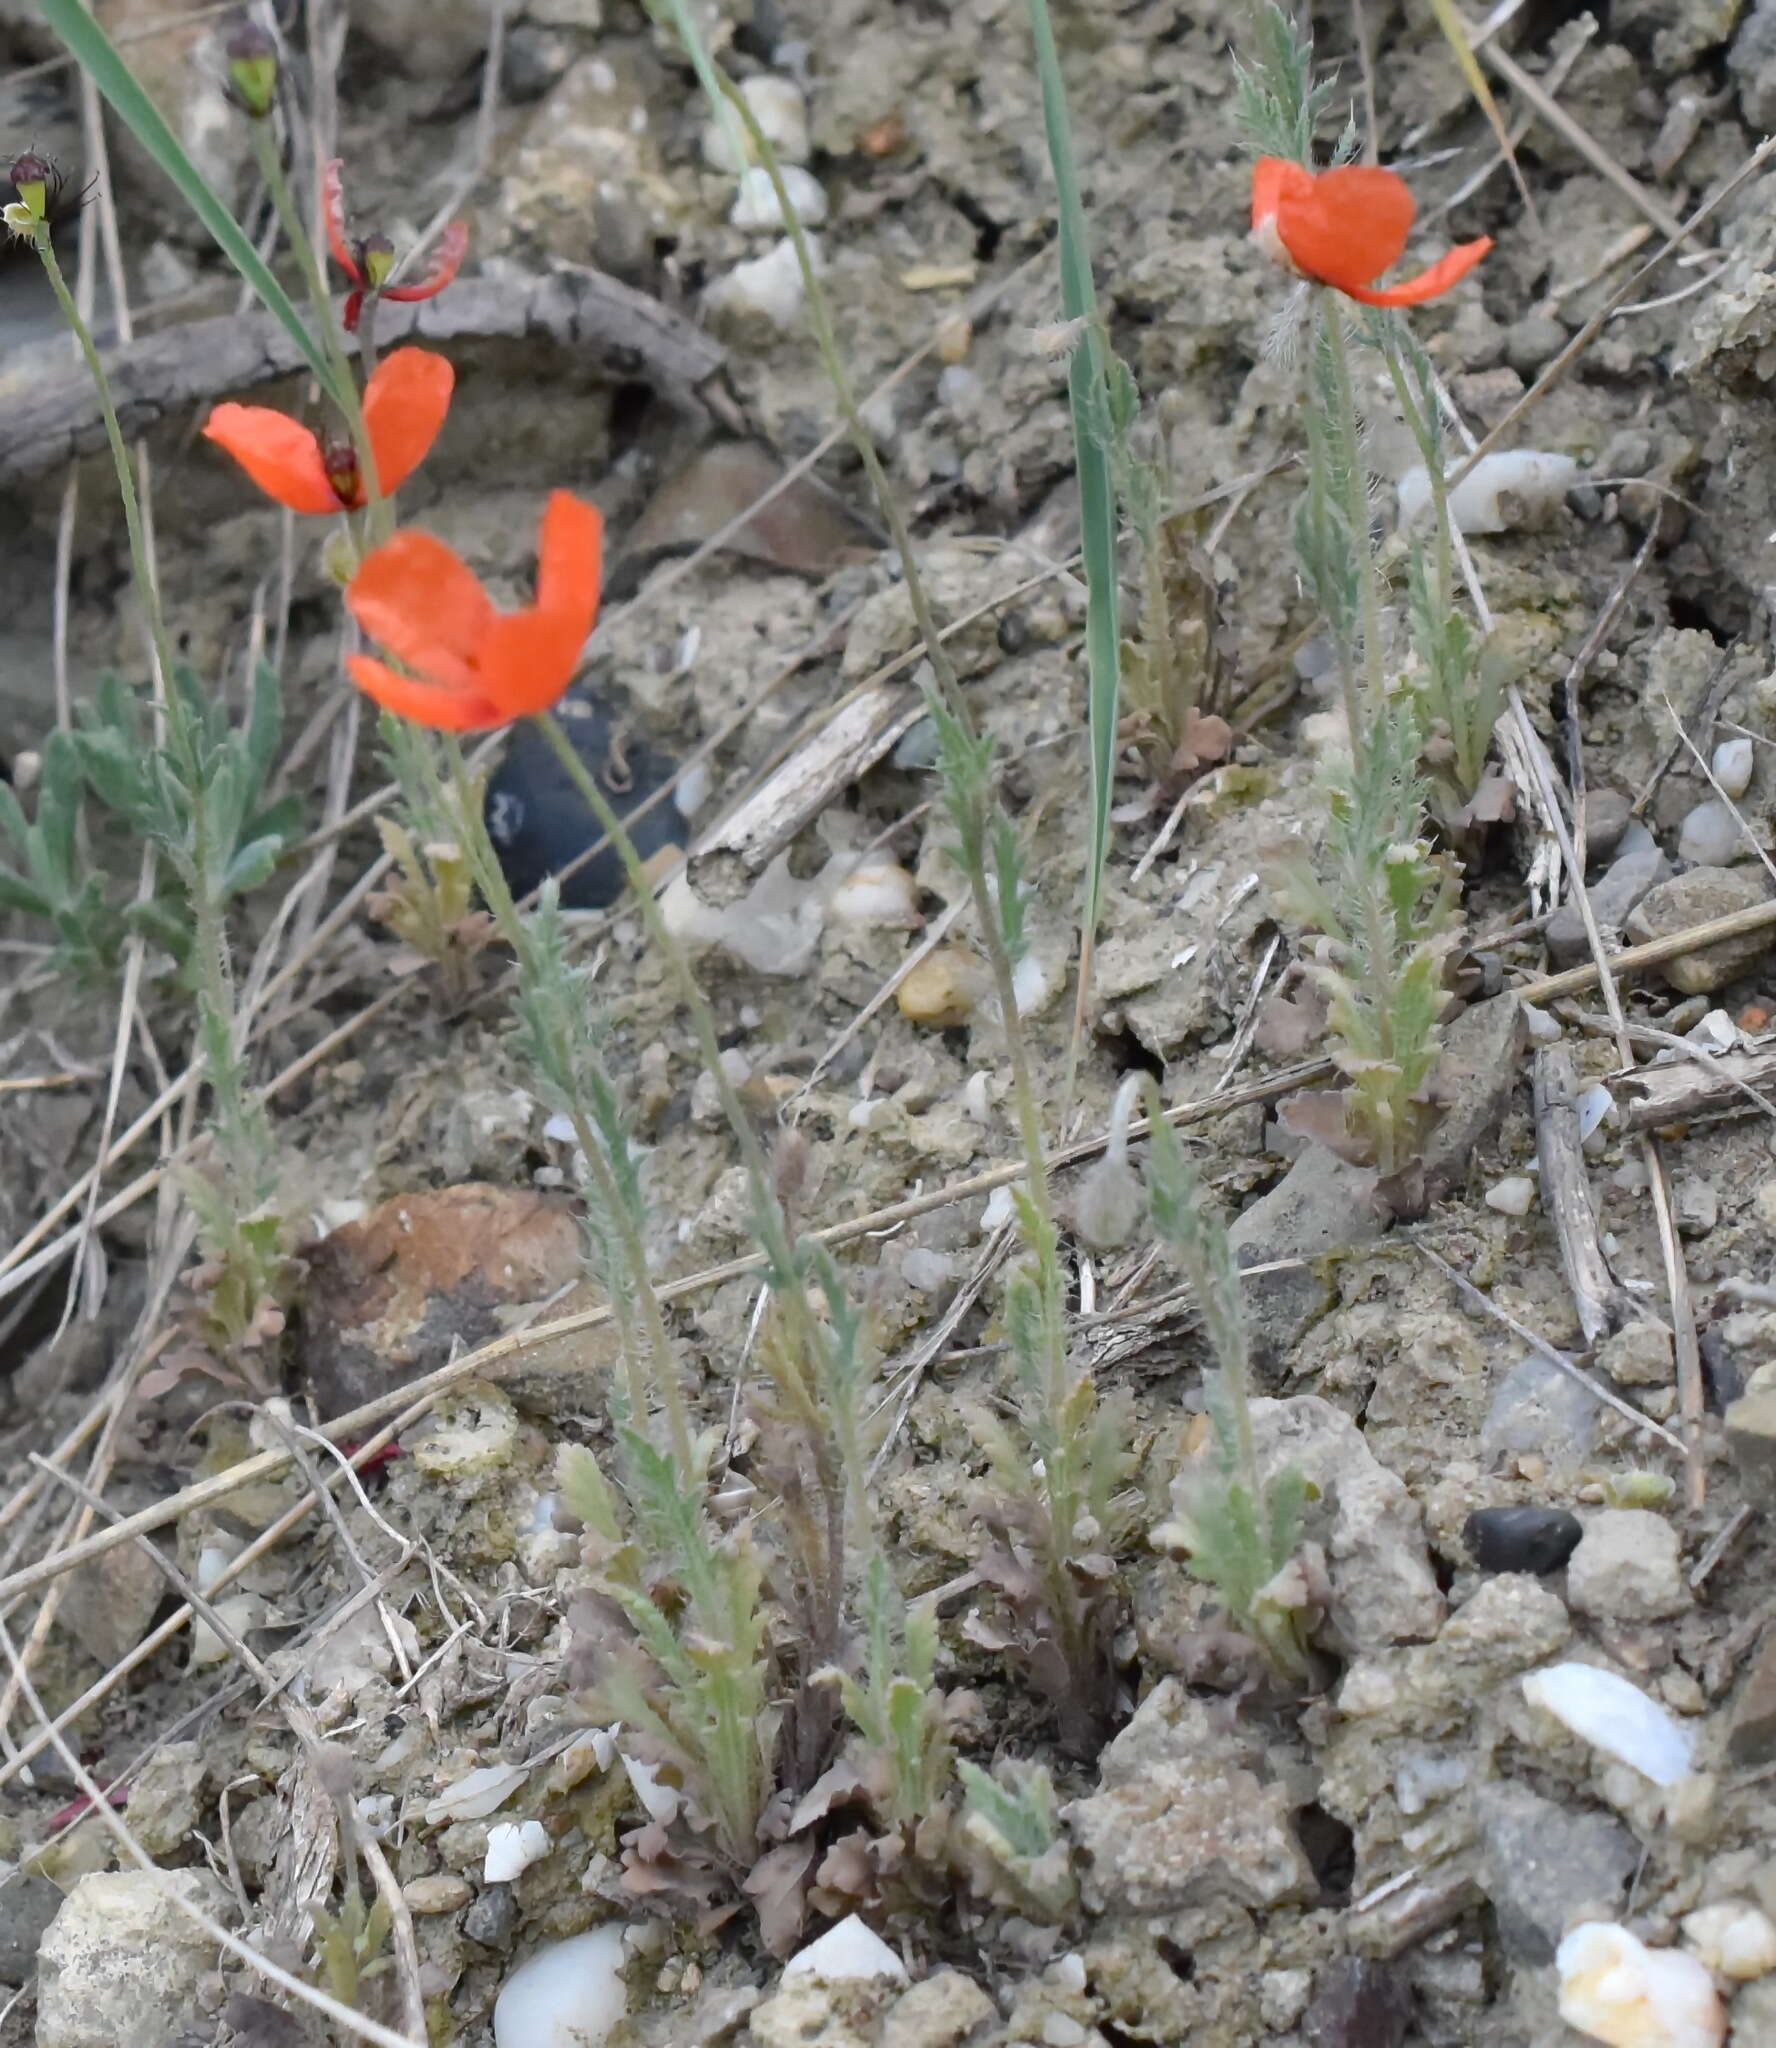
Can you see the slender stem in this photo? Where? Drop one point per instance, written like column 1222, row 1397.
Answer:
column 379, row 510
column 491, row 880
column 1357, row 505
column 140, row 565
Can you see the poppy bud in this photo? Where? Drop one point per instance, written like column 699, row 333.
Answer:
column 32, row 176
column 252, row 70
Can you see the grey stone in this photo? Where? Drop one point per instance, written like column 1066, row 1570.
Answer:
column 1320, row 1205
column 1627, row 1568
column 1478, row 1071
column 1710, row 836
column 493, row 1919
column 1361, row 1515
column 1545, row 1867
column 27, row 1905
column 165, row 1800
column 121, row 1963
column 1637, row 867
column 1751, row 1730
column 1751, row 1437
column 1638, row 1356
column 1752, row 62
column 941, row 2012
column 1608, row 813
column 1695, row 898
column 1541, row 1410
column 1178, row 1819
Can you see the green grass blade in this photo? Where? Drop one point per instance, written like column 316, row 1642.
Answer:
column 1088, row 392
column 90, row 47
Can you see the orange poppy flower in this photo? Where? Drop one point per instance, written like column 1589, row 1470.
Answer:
column 404, row 406
column 371, row 262
column 475, row 667
column 1344, row 227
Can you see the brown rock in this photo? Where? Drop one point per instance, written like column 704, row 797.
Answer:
column 1695, row 898
column 943, row 989
column 109, row 1603
column 390, row 1295
column 1751, row 1437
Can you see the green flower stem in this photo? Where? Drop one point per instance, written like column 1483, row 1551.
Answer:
column 126, row 482
column 491, row 880
column 379, row 511
column 1357, row 507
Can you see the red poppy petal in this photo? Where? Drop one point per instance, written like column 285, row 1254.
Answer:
column 404, row 406
column 570, row 552
column 1428, row 284
column 421, row 601
column 1349, row 227
column 446, row 261
column 280, row 454
column 333, row 213
column 439, row 705
column 529, row 658
column 1274, row 178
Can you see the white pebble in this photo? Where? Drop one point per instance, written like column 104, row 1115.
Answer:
column 512, row 1846
column 1513, row 1196
column 850, row 1953
column 879, row 892
column 782, row 114
column 766, row 288
column 1532, row 480
column 1592, row 1107
column 1612, row 1715
column 1710, row 836
column 1733, row 1938
column 569, row 1996
column 1732, row 766
column 239, row 1613
column 755, row 204
column 1616, row 1990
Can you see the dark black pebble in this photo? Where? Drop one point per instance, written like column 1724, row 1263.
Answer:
column 538, row 821
column 1521, row 1539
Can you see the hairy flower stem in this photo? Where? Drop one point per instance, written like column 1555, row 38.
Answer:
column 140, row 565
column 773, row 1224
column 986, row 913
column 241, row 1136
column 490, row 879
column 1349, row 432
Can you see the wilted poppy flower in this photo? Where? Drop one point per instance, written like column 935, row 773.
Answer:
column 370, row 263
column 1344, row 227
column 475, row 667
column 404, row 406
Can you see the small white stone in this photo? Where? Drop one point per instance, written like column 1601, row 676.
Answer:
column 1615, row 1990
column 850, row 1953
column 755, row 204
column 1513, row 1196
column 513, row 1846
column 879, row 892
column 1530, row 479
column 782, row 114
column 766, row 288
column 239, row 1612
column 1733, row 761
column 570, row 1995
column 1711, row 836
column 1614, row 1716
column 1733, row 1938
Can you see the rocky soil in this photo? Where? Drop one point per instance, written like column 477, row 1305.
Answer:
column 1548, row 1694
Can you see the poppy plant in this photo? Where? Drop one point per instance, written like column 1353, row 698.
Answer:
column 474, row 667
column 404, row 406
column 1344, row 227
column 370, row 263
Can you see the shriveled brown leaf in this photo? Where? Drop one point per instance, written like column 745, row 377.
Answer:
column 804, row 528
column 777, row 1887
column 1318, row 1114
column 1293, row 1024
